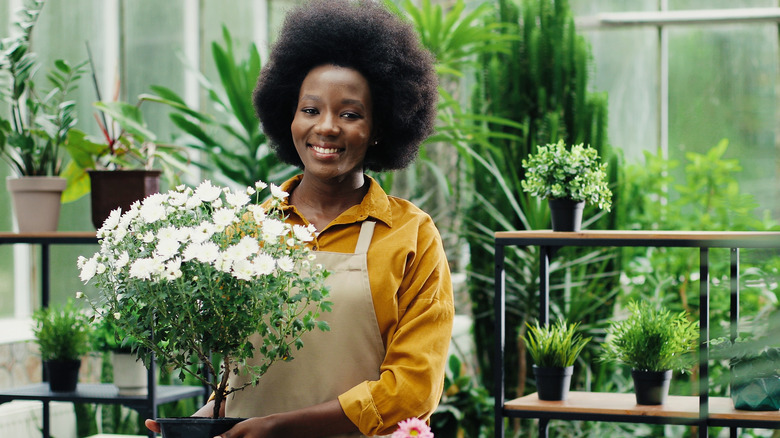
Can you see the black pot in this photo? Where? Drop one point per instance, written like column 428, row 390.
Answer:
column 119, row 188
column 195, row 427
column 63, row 375
column 651, row 387
column 759, row 394
column 552, row 384
column 566, row 214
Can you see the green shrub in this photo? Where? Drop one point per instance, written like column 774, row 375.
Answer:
column 554, row 345
column 62, row 334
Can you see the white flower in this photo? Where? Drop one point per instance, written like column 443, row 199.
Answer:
column 112, row 220
column 250, row 191
column 117, row 315
column 151, row 213
column 122, row 260
column 79, row 295
column 243, row 269
column 167, row 248
column 285, row 263
column 259, row 185
column 88, row 269
column 272, row 229
column 264, row 264
column 277, row 192
column 143, row 268
column 217, row 203
column 173, row 269
column 80, row 261
column 291, row 242
column 304, row 234
column 223, row 262
column 224, row 217
column 237, row 199
column 206, row 252
column 148, row 237
column 178, row 199
column 247, row 246
column 203, row 232
column 258, row 212
column 207, row 192
column 193, row 203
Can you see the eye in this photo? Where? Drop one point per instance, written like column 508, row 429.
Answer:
column 309, row 110
column 351, row 115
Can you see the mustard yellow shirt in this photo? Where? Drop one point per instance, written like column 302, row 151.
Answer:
column 412, row 294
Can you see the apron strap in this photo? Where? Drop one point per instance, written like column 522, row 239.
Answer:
column 364, row 239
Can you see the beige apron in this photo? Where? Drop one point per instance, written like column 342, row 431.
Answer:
column 330, row 363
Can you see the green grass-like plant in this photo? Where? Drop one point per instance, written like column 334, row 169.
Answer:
column 652, row 339
column 554, row 345
column 62, row 333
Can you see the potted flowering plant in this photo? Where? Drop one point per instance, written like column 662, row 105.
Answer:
column 37, row 125
column 568, row 178
column 129, row 373
column 192, row 273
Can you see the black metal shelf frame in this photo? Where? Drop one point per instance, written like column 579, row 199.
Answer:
column 548, row 244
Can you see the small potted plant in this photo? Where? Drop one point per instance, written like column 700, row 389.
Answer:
column 130, row 376
column 554, row 348
column 568, row 178
column 653, row 342
column 192, row 273
column 63, row 337
column 755, row 371
column 38, row 123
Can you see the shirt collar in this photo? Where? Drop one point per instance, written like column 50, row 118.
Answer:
column 374, row 205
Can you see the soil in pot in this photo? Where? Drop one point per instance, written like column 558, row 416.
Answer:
column 651, row 387
column 63, row 375
column 552, row 384
column 760, row 394
column 566, row 214
column 195, row 427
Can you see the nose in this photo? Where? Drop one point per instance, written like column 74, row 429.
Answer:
column 327, row 125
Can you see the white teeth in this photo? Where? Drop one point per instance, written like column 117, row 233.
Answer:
column 324, row 150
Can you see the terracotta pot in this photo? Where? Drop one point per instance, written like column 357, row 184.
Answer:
column 119, row 188
column 36, row 201
column 63, row 375
column 195, row 427
column 130, row 374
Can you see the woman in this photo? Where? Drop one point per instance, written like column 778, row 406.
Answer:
column 348, row 88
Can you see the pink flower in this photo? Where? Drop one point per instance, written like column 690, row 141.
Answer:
column 412, row 428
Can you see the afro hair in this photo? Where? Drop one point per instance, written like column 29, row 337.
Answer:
column 365, row 36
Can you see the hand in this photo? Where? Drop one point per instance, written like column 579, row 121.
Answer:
column 152, row 425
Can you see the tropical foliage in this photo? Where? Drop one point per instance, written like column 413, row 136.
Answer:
column 554, row 345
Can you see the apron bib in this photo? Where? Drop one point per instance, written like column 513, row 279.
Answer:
column 332, row 362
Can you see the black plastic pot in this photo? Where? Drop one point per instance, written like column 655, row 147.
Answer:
column 566, row 214
column 552, row 384
column 651, row 387
column 63, row 375
column 195, row 427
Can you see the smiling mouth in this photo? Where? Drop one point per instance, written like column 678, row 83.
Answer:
column 324, row 150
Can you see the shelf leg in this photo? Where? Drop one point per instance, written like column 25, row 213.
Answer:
column 734, row 315
column 544, row 285
column 499, row 301
column 45, row 419
column 543, row 427
column 704, row 336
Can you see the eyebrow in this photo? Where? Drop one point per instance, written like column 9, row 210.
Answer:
column 343, row 101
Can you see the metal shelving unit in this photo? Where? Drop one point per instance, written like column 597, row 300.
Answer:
column 702, row 410
column 87, row 393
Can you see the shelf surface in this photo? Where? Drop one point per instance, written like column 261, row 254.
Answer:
column 58, row 237
column 99, row 393
column 704, row 239
column 614, row 404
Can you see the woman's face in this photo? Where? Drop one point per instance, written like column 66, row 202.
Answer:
column 333, row 122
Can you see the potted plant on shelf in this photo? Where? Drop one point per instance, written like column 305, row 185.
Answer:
column 554, row 348
column 129, row 373
column 38, row 123
column 192, row 273
column 63, row 338
column 653, row 342
column 567, row 178
column 755, row 371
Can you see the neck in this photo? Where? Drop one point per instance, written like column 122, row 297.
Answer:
column 321, row 202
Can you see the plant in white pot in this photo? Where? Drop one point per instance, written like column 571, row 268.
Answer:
column 653, row 342
column 62, row 333
column 554, row 348
column 568, row 178
column 130, row 376
column 37, row 125
column 192, row 273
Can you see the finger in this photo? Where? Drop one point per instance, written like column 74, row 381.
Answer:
column 152, row 425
